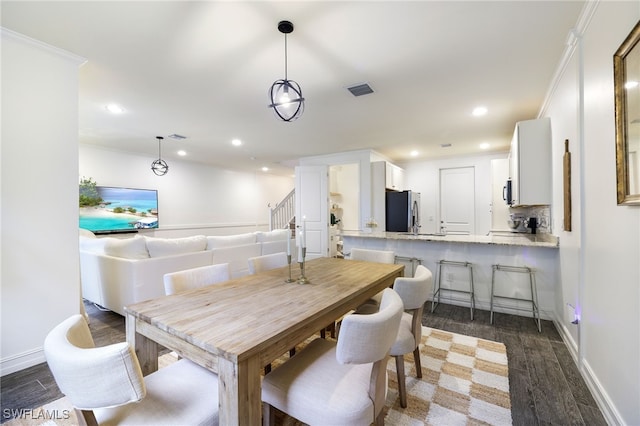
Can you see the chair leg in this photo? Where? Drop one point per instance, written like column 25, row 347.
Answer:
column 402, row 389
column 292, row 352
column 323, row 333
column 87, row 415
column 416, row 357
column 268, row 415
column 379, row 420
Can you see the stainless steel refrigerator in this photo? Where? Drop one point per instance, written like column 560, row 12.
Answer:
column 402, row 211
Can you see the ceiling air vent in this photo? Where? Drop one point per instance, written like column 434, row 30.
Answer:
column 177, row 136
column 360, row 89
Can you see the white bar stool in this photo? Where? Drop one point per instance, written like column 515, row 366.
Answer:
column 437, row 290
column 532, row 285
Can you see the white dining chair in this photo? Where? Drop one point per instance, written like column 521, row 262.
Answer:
column 414, row 293
column 378, row 256
column 368, row 255
column 267, row 261
column 105, row 384
column 343, row 383
column 187, row 279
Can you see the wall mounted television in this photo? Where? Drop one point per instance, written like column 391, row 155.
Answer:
column 111, row 210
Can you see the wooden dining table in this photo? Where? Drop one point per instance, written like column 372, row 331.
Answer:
column 236, row 327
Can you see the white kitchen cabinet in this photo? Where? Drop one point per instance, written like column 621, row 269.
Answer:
column 390, row 175
column 530, row 163
column 499, row 209
column 394, row 177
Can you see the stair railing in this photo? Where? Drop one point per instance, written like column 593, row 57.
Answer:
column 283, row 213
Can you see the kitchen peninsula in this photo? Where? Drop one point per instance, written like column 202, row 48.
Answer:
column 537, row 251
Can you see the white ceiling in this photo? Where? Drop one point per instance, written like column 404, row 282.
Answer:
column 203, row 69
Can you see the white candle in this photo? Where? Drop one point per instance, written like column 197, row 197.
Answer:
column 300, row 247
column 288, row 242
column 304, row 233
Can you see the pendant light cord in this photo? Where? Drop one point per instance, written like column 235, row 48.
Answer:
column 285, row 57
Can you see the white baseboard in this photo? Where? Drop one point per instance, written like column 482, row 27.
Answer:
column 21, row 361
column 606, row 406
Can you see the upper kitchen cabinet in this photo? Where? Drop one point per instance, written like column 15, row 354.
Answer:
column 393, row 175
column 530, row 163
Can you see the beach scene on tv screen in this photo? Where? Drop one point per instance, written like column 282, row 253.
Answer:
column 117, row 209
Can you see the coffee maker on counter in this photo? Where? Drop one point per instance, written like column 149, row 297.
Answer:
column 522, row 224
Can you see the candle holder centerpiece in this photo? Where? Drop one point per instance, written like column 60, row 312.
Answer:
column 289, row 280
column 303, row 279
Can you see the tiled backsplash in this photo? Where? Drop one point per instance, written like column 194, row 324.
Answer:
column 541, row 213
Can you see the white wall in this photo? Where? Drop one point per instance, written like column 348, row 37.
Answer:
column 424, row 177
column 600, row 257
column 39, row 175
column 192, row 197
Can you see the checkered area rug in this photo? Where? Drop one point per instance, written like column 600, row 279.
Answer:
column 465, row 381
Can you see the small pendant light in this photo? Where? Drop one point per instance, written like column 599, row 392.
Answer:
column 159, row 167
column 286, row 95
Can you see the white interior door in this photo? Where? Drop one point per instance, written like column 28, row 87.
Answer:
column 457, row 200
column 312, row 209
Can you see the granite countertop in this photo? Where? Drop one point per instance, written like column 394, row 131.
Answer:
column 498, row 238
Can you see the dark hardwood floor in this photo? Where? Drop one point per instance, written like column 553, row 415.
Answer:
column 545, row 384
column 546, row 387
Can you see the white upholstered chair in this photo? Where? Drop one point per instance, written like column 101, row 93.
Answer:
column 378, row 256
column 414, row 293
column 267, row 261
column 175, row 282
column 105, row 384
column 341, row 383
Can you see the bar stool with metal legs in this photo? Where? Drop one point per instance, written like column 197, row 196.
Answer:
column 535, row 311
column 437, row 290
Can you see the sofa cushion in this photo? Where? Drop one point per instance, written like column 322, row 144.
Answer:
column 220, row 241
column 92, row 245
column 128, row 248
column 86, row 233
column 275, row 235
column 160, row 247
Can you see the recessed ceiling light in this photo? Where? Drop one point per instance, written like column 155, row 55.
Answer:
column 236, row 142
column 114, row 109
column 265, row 169
column 414, row 153
column 480, row 111
column 484, row 145
column 182, row 153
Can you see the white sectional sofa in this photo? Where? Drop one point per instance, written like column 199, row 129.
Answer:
column 116, row 272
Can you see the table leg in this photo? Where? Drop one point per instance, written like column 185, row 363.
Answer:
column 239, row 392
column 146, row 349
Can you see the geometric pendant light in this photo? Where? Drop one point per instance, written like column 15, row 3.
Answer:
column 159, row 167
column 285, row 95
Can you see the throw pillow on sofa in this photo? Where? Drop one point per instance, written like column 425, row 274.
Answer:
column 92, row 245
column 159, row 247
column 221, row 241
column 128, row 248
column 275, row 235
